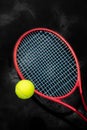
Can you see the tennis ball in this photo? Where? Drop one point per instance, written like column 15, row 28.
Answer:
column 24, row 89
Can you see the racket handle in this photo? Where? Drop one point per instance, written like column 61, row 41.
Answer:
column 81, row 115
column 73, row 109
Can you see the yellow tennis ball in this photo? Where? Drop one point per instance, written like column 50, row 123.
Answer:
column 24, row 89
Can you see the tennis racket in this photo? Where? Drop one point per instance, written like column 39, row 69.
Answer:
column 47, row 59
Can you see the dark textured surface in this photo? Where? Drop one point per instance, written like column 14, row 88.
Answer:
column 69, row 18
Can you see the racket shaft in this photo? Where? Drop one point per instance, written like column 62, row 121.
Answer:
column 73, row 109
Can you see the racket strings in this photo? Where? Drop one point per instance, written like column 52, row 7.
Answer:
column 46, row 60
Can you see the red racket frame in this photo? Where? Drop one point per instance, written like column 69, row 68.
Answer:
column 77, row 85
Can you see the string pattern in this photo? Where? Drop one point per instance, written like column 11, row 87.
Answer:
column 47, row 61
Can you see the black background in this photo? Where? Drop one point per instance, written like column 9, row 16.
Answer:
column 69, row 18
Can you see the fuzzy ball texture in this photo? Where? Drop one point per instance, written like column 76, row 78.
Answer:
column 24, row 89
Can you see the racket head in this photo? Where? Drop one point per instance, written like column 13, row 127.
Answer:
column 58, row 49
